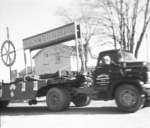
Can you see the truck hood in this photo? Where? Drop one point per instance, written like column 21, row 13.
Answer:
column 136, row 70
column 135, row 64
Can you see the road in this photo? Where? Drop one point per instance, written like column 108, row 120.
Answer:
column 98, row 114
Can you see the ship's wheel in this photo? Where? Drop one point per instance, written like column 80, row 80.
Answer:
column 8, row 53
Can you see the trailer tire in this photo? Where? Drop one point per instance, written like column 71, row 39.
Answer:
column 129, row 98
column 3, row 104
column 57, row 99
column 81, row 100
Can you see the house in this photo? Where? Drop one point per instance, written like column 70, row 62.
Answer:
column 54, row 58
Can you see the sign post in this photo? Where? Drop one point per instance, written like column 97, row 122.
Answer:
column 8, row 53
column 7, row 29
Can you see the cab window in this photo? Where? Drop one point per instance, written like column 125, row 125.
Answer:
column 105, row 60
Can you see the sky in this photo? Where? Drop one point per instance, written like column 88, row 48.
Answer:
column 29, row 17
column 25, row 18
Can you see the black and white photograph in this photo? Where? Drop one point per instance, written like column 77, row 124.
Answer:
column 74, row 64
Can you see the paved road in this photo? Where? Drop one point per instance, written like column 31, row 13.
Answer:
column 97, row 115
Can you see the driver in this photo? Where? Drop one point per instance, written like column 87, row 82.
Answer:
column 107, row 60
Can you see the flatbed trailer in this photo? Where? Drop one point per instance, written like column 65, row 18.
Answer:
column 29, row 87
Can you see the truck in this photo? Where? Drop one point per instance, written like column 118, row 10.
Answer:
column 117, row 76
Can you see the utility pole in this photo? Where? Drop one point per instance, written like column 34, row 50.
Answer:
column 80, row 50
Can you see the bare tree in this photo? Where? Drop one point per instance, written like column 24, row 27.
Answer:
column 88, row 24
column 122, row 21
column 145, row 24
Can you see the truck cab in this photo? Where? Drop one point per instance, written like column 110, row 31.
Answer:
column 118, row 75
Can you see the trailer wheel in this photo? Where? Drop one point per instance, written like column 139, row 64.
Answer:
column 3, row 104
column 81, row 100
column 128, row 98
column 58, row 99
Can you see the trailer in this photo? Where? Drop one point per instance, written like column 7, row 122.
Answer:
column 29, row 87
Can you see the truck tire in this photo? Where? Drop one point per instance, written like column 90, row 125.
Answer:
column 128, row 98
column 3, row 104
column 57, row 99
column 81, row 100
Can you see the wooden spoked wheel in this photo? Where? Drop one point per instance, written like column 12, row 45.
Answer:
column 8, row 53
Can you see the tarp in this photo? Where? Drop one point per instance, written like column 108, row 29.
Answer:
column 52, row 37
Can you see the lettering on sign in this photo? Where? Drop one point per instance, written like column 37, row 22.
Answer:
column 12, row 88
column 23, row 88
column 35, row 85
column 48, row 38
column 12, row 94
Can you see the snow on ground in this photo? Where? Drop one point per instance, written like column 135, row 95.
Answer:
column 98, row 114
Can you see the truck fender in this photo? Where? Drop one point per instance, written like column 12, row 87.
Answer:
column 135, row 83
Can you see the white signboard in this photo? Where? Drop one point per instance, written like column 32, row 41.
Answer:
column 55, row 36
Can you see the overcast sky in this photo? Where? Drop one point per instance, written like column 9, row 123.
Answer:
column 25, row 18
column 29, row 17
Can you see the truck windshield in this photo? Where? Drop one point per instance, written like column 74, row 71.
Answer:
column 126, row 56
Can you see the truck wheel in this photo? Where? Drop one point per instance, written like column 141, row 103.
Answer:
column 3, row 104
column 81, row 100
column 57, row 99
column 128, row 98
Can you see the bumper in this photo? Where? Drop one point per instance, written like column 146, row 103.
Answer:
column 146, row 89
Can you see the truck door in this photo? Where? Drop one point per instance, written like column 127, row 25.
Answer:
column 102, row 72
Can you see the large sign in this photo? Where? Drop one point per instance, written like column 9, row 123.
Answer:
column 52, row 37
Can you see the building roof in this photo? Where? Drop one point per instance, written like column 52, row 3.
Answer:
column 37, row 53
